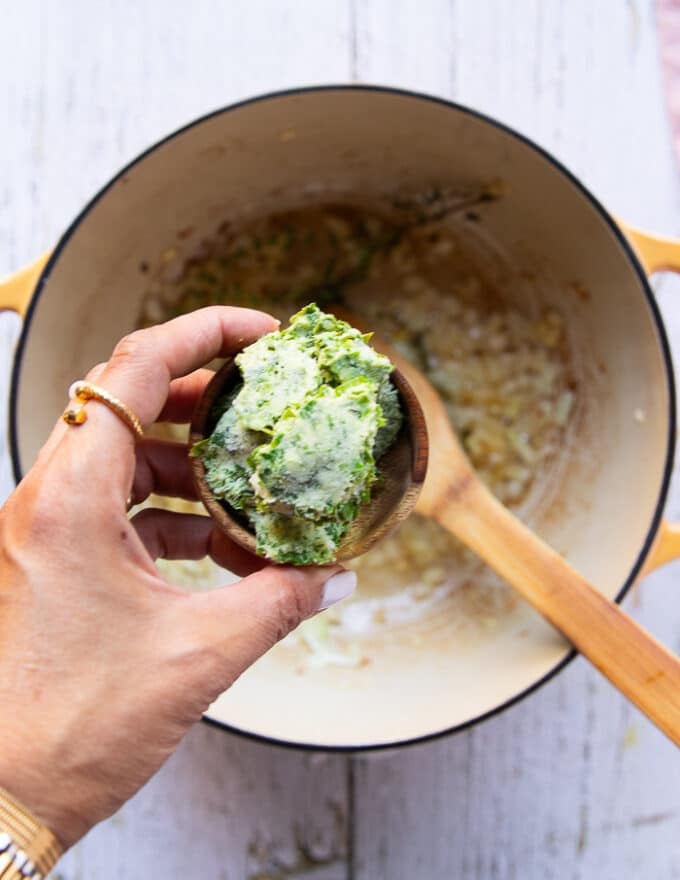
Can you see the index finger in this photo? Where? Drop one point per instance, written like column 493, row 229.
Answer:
column 144, row 363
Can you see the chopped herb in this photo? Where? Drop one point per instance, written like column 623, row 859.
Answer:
column 296, row 444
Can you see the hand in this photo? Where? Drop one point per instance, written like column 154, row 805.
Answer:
column 104, row 665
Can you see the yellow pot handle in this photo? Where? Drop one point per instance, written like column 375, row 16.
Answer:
column 16, row 290
column 665, row 549
column 657, row 253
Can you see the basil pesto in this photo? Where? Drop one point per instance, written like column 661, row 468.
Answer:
column 296, row 444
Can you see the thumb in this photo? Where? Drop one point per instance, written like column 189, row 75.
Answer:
column 244, row 620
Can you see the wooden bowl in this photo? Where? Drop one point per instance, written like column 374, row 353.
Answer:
column 402, row 472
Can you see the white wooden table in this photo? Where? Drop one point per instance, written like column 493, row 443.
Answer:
column 570, row 783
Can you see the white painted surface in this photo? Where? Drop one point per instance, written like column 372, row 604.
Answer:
column 572, row 782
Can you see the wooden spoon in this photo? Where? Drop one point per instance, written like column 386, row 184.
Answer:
column 453, row 495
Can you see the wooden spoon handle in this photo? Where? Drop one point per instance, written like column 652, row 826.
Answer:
column 639, row 666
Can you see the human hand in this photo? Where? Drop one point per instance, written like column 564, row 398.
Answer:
column 104, row 666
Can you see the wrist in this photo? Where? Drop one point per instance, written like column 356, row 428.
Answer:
column 39, row 794
column 28, row 849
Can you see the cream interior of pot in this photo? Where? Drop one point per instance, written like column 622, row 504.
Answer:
column 310, row 147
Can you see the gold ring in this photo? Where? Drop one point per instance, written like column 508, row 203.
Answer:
column 84, row 391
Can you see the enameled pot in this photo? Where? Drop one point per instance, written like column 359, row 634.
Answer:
column 307, row 146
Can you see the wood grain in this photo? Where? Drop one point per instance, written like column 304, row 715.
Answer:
column 547, row 789
column 572, row 783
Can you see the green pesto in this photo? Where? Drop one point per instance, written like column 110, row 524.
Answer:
column 320, row 456
column 295, row 446
column 277, row 374
column 388, row 401
column 295, row 540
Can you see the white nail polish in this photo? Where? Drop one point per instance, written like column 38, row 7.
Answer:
column 338, row 587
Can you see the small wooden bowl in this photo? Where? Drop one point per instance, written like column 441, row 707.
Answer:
column 402, row 472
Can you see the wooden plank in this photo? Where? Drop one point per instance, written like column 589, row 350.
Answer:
column 396, row 44
column 83, row 88
column 226, row 807
column 572, row 782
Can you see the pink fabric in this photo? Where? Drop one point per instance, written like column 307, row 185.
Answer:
column 668, row 19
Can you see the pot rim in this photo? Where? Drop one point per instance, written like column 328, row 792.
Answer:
column 594, row 202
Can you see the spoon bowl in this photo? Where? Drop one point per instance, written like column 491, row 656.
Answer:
column 401, row 472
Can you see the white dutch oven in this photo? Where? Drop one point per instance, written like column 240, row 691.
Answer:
column 300, row 146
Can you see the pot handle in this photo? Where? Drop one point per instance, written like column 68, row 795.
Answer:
column 657, row 253
column 666, row 547
column 16, row 290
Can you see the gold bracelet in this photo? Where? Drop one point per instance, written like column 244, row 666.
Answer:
column 28, row 849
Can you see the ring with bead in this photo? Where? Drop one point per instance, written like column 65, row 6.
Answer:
column 84, row 391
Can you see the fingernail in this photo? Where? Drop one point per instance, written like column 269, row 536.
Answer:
column 338, row 587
